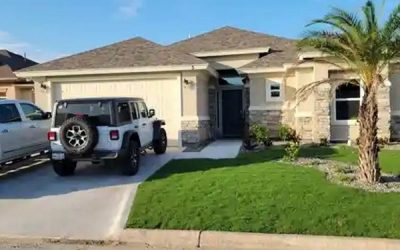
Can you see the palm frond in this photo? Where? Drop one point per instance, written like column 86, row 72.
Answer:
column 304, row 92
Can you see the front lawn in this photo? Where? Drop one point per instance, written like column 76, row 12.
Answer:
column 253, row 193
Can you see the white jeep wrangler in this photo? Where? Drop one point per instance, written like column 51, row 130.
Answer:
column 114, row 130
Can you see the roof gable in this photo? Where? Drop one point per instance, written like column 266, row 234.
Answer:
column 10, row 62
column 136, row 52
column 229, row 38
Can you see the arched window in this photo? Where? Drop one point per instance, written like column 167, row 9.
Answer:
column 347, row 102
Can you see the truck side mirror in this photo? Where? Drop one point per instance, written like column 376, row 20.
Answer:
column 152, row 113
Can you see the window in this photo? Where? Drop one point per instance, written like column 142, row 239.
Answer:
column 9, row 113
column 347, row 102
column 274, row 92
column 124, row 113
column 98, row 112
column 143, row 110
column 134, row 112
column 32, row 112
column 3, row 93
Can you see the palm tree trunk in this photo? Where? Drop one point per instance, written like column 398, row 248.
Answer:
column 369, row 169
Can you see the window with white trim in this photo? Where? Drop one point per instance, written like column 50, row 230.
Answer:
column 347, row 102
column 274, row 91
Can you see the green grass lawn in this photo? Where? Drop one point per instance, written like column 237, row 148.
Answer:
column 254, row 194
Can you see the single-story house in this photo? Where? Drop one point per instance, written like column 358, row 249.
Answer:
column 210, row 85
column 11, row 86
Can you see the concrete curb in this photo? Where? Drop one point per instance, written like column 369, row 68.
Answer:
column 230, row 240
column 24, row 169
column 55, row 240
column 173, row 239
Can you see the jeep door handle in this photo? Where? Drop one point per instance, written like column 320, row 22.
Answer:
column 5, row 131
column 143, row 124
column 32, row 126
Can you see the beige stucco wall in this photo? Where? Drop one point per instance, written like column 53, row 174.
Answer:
column 9, row 89
column 18, row 91
column 228, row 62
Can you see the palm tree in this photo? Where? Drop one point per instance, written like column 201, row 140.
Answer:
column 367, row 47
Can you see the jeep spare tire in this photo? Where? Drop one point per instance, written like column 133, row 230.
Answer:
column 78, row 136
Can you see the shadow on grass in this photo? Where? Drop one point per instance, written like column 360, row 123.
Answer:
column 270, row 154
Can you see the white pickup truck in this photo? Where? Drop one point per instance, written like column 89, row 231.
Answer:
column 23, row 130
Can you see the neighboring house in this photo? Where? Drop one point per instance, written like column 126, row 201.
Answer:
column 11, row 86
column 208, row 86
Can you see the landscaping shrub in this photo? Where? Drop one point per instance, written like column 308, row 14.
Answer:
column 323, row 142
column 292, row 149
column 286, row 133
column 260, row 134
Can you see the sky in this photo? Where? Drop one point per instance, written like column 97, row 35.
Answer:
column 49, row 29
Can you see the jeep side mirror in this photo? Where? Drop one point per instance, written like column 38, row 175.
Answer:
column 47, row 115
column 152, row 113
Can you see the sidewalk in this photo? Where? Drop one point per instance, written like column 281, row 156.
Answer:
column 220, row 149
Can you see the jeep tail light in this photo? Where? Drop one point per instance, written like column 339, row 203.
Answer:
column 114, row 135
column 52, row 136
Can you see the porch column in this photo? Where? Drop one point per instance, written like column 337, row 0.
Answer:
column 323, row 98
column 195, row 122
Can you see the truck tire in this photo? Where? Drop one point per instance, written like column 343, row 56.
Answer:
column 160, row 144
column 78, row 136
column 64, row 167
column 130, row 163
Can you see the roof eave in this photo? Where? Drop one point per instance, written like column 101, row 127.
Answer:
column 105, row 71
column 231, row 52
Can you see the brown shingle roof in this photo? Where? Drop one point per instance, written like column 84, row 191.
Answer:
column 286, row 52
column 136, row 52
column 228, row 38
column 10, row 62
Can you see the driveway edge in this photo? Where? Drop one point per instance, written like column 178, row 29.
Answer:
column 232, row 240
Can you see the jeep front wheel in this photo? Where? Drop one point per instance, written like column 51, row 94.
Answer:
column 160, row 145
column 64, row 167
column 130, row 163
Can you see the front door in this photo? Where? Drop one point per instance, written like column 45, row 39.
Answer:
column 232, row 113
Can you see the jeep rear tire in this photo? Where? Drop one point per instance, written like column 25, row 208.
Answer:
column 64, row 167
column 160, row 145
column 78, row 136
column 130, row 163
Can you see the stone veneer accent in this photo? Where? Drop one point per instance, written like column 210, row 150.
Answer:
column 322, row 118
column 195, row 131
column 384, row 112
column 272, row 119
column 304, row 126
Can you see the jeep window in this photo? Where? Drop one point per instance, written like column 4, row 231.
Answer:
column 32, row 112
column 142, row 109
column 98, row 112
column 124, row 113
column 134, row 111
column 9, row 113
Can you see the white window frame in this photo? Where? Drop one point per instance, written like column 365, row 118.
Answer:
column 350, row 121
column 269, row 97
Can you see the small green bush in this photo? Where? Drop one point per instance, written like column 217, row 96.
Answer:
column 260, row 134
column 323, row 142
column 286, row 133
column 292, row 151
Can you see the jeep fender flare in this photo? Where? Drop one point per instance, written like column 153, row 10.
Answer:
column 157, row 125
column 128, row 136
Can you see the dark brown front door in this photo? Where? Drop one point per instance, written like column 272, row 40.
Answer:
column 232, row 110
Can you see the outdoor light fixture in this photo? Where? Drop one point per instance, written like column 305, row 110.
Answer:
column 187, row 82
column 43, row 86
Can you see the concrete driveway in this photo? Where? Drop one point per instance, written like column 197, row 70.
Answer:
column 93, row 204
